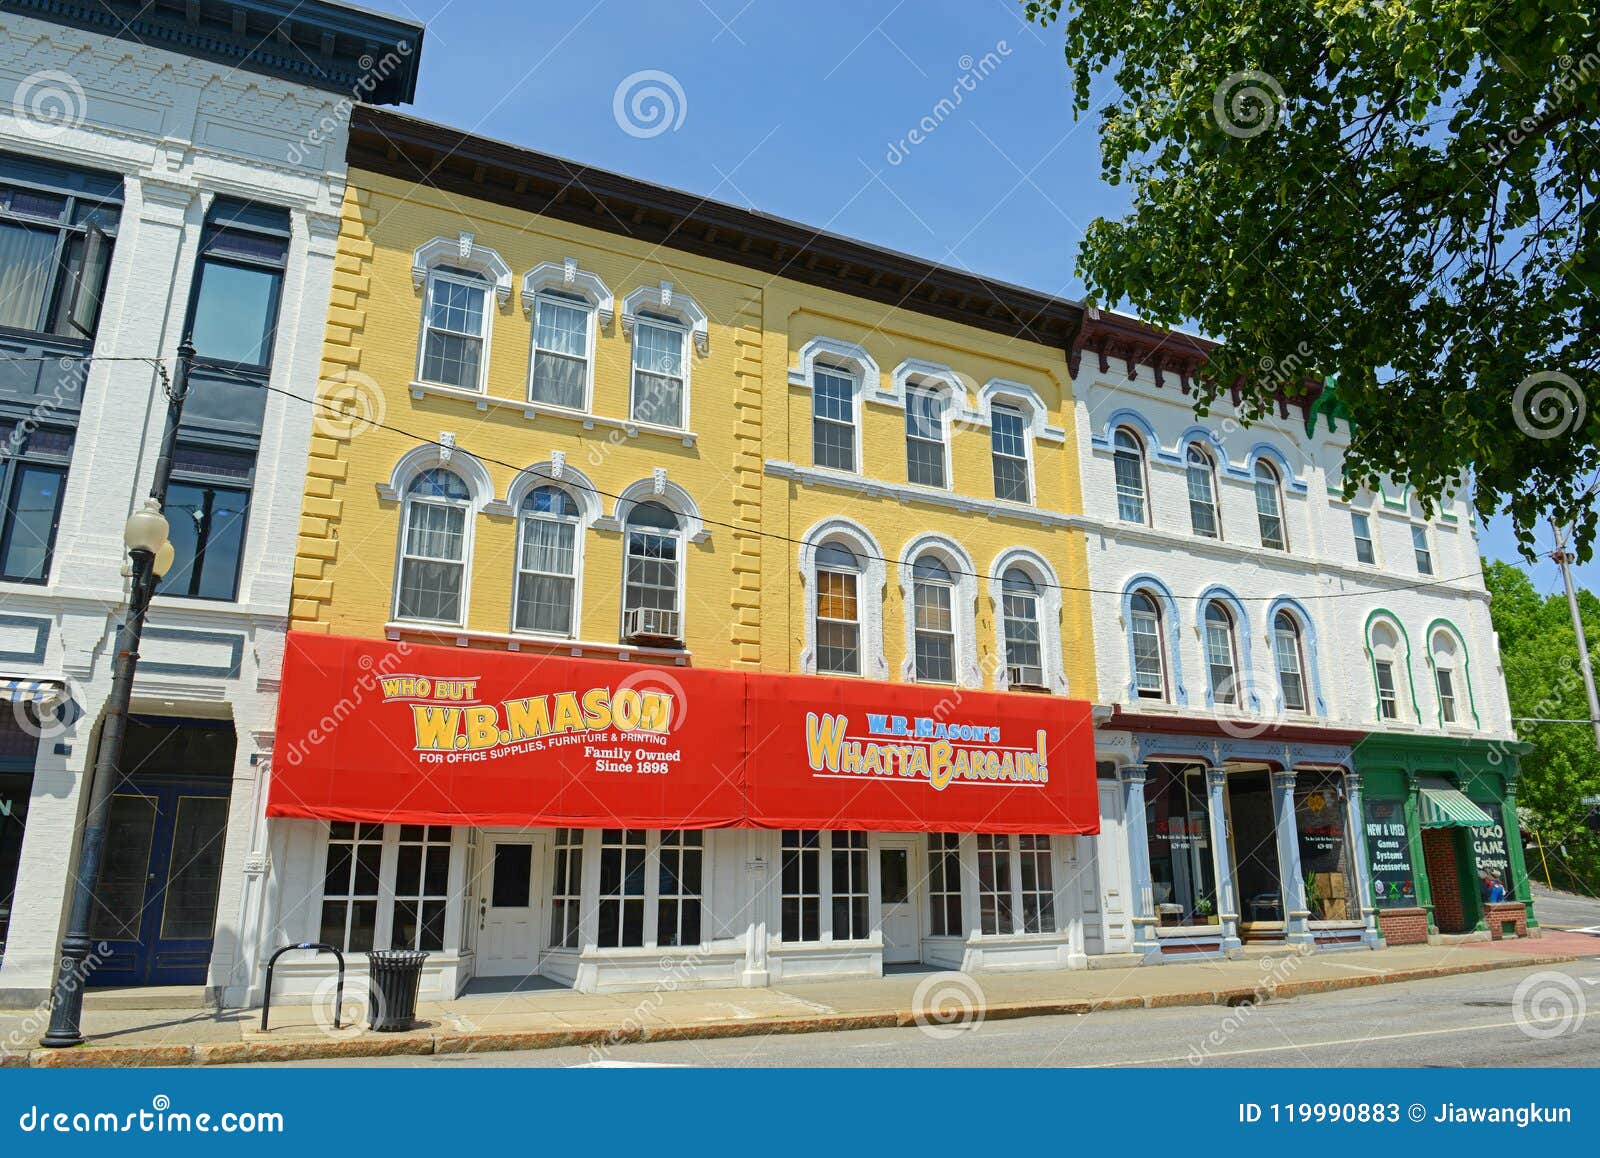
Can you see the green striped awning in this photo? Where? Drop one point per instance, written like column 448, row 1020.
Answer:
column 1445, row 807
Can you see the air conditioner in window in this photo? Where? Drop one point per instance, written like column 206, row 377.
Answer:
column 1017, row 679
column 652, row 625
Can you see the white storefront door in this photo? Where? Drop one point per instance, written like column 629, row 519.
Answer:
column 510, row 906
column 898, row 893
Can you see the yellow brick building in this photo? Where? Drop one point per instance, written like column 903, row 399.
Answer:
column 600, row 419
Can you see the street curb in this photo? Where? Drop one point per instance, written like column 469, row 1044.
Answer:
column 424, row 1044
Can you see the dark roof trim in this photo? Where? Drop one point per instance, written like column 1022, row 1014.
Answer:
column 413, row 150
column 364, row 55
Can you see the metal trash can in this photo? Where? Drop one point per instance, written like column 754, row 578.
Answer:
column 396, row 975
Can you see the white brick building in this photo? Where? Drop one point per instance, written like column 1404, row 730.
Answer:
column 148, row 194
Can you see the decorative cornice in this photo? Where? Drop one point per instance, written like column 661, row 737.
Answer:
column 907, row 493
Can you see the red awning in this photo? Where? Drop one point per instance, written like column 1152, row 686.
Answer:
column 393, row 732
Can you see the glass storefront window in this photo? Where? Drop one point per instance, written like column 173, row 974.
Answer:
column 1394, row 881
column 1494, row 862
column 1325, row 855
column 1178, row 823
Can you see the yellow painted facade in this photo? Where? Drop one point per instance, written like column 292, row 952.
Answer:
column 746, row 599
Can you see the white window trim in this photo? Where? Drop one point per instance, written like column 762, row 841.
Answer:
column 946, row 399
column 776, row 945
column 1050, row 641
column 1194, row 446
column 1372, row 537
column 665, row 301
column 869, row 377
column 692, row 530
column 1427, row 545
column 388, row 863
column 869, row 595
column 587, row 404
column 581, row 525
column 567, row 277
column 671, row 326
column 463, row 252
column 857, row 387
column 589, row 922
column 964, row 597
column 1256, row 480
column 480, row 489
column 484, row 337
column 1144, row 476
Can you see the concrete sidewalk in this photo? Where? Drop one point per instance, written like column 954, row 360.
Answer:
column 551, row 1017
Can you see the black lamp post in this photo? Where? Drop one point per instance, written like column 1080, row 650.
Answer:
column 151, row 553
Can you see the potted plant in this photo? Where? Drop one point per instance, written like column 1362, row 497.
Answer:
column 1313, row 897
column 1206, row 910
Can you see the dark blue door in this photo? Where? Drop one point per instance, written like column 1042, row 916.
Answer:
column 156, row 899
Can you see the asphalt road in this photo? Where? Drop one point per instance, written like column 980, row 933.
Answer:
column 1459, row 1021
column 1557, row 910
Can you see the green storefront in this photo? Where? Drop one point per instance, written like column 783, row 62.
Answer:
column 1442, row 836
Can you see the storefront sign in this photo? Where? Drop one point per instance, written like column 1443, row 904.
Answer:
column 1489, row 847
column 1394, row 884
column 385, row 732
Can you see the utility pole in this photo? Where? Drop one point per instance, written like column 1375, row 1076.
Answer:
column 145, row 537
column 1564, row 559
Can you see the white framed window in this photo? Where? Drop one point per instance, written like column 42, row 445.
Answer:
column 652, row 589
column 1149, row 655
column 1289, row 658
column 1016, row 884
column 944, row 885
column 926, row 446
column 823, row 886
column 1384, row 642
column 620, row 911
column 566, row 890
column 838, row 617
column 1388, row 703
column 800, row 884
column 1222, row 660
column 1020, row 623
column 660, row 393
column 834, row 428
column 1419, row 547
column 421, row 886
column 1036, row 884
column 848, row 885
column 680, row 890
column 351, row 886
column 651, row 888
column 386, row 886
column 1202, row 479
column 994, row 883
column 1269, row 507
column 435, row 533
column 933, row 592
column 1127, row 458
column 1361, row 531
column 560, row 372
column 1446, row 656
column 547, row 563
column 455, row 328
column 1009, row 449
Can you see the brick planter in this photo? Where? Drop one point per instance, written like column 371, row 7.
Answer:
column 1498, row 914
column 1404, row 926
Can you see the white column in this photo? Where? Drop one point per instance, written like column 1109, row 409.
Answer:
column 1141, row 904
column 1292, row 885
column 1222, row 854
column 1356, row 821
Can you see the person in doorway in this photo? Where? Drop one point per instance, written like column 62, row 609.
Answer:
column 1493, row 890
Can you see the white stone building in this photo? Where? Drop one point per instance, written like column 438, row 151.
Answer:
column 146, row 194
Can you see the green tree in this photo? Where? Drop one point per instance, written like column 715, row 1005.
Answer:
column 1400, row 195
column 1540, row 656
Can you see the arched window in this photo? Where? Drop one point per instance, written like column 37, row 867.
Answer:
column 1149, row 657
column 1385, row 658
column 653, row 575
column 563, row 326
column 926, row 446
column 1446, row 658
column 547, row 563
column 833, row 417
column 933, row 611
column 838, row 624
column 433, row 548
column 1222, row 661
column 1202, row 494
column 1269, row 507
column 1024, row 655
column 455, row 328
column 1128, row 459
column 1288, row 656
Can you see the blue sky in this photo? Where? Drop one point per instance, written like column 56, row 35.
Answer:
column 804, row 110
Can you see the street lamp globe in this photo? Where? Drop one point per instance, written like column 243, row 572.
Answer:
column 164, row 558
column 146, row 529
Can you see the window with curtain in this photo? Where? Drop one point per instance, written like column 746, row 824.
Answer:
column 547, row 563
column 1149, row 657
column 1128, row 460
column 1290, row 660
column 838, row 625
column 1221, row 659
column 1269, row 507
column 58, row 229
column 1019, row 613
column 33, row 478
column 1008, row 445
column 433, row 550
column 652, row 575
column 1202, row 493
column 208, row 506
column 455, row 328
column 833, row 418
column 658, row 394
column 561, row 351
column 934, row 629
column 925, row 439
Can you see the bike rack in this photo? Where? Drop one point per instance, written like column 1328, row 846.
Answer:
column 320, row 947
